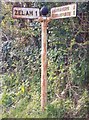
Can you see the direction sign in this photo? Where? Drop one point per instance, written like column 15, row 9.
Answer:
column 63, row 11
column 30, row 13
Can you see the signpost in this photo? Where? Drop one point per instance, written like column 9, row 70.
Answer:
column 33, row 13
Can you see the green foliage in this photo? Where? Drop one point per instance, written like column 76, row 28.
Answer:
column 59, row 109
column 68, row 84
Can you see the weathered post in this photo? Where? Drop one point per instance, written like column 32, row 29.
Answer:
column 44, row 22
column 44, row 65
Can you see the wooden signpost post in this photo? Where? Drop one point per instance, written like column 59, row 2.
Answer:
column 33, row 13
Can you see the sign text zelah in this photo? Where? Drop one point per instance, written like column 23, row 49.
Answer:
column 30, row 13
